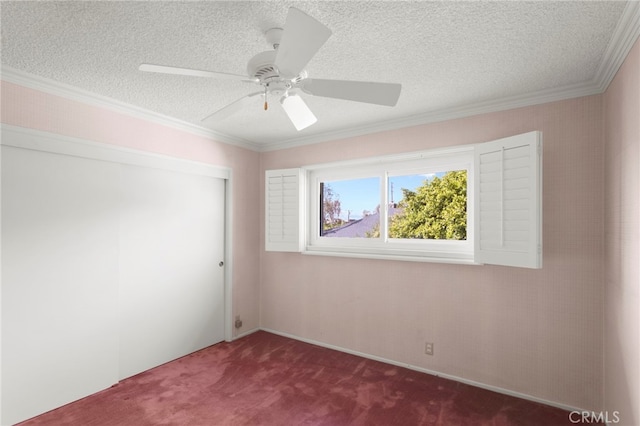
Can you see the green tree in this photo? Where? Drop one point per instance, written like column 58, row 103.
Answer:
column 435, row 210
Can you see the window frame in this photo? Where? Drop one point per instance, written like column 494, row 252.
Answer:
column 504, row 221
column 422, row 162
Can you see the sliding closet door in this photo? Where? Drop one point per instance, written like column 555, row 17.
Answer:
column 171, row 280
column 59, row 280
column 111, row 264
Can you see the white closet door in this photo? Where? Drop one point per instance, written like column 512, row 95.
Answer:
column 59, row 280
column 171, row 284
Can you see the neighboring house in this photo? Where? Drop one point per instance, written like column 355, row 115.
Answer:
column 361, row 228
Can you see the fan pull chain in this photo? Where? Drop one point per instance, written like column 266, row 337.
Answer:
column 266, row 106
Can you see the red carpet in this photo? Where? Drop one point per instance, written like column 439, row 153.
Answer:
column 265, row 379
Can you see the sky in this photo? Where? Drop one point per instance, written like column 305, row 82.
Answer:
column 357, row 195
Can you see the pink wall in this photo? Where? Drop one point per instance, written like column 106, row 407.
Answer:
column 535, row 332
column 37, row 110
column 622, row 241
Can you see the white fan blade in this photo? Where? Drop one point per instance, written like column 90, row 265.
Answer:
column 298, row 112
column 232, row 108
column 359, row 91
column 302, row 37
column 193, row 73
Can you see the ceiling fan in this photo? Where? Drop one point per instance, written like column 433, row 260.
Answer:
column 281, row 74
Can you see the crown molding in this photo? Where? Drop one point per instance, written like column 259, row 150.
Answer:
column 502, row 104
column 625, row 35
column 25, row 79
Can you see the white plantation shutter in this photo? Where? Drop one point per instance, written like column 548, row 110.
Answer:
column 284, row 215
column 508, row 198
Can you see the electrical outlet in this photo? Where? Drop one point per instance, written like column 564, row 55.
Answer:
column 238, row 323
column 428, row 348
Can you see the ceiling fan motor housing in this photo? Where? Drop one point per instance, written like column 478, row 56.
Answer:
column 262, row 67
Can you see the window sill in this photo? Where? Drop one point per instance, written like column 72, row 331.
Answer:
column 451, row 258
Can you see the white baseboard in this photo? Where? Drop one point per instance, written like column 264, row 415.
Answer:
column 427, row 371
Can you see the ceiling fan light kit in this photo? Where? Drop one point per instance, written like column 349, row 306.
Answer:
column 298, row 111
column 281, row 71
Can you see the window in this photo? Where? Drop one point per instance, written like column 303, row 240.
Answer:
column 470, row 204
column 375, row 207
column 431, row 206
column 348, row 208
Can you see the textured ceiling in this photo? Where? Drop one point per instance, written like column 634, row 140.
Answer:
column 446, row 55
